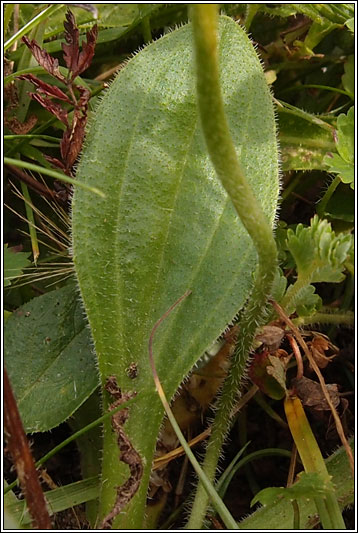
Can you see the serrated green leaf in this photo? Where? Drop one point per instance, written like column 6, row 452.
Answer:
column 309, row 485
column 307, row 301
column 167, row 224
column 279, row 285
column 319, row 254
column 49, row 358
column 285, row 258
column 14, row 264
column 343, row 164
column 339, row 166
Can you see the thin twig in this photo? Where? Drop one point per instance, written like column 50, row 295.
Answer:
column 23, row 460
column 298, row 356
column 31, row 182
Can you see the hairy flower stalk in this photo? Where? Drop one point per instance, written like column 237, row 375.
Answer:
column 224, row 158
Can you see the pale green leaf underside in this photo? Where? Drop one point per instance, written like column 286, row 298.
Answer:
column 49, row 358
column 166, row 224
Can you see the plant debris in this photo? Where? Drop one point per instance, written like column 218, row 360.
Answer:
column 128, row 454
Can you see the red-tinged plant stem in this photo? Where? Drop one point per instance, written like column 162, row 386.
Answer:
column 224, row 158
column 31, row 182
column 23, row 460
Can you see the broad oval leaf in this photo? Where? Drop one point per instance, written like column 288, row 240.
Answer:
column 49, row 358
column 166, row 224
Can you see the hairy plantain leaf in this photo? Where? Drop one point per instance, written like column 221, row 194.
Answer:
column 166, row 225
column 49, row 358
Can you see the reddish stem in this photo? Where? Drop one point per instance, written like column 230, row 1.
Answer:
column 31, row 182
column 298, row 356
column 20, row 451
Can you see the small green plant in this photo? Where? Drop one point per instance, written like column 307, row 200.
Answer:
column 176, row 192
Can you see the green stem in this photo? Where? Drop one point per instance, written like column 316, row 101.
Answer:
column 219, row 505
column 146, row 31
column 40, row 70
column 224, row 158
column 325, row 318
column 251, row 11
column 296, row 515
column 321, row 207
column 293, row 183
column 314, row 86
column 284, row 107
column 31, row 222
column 9, row 8
column 32, row 24
column 52, row 173
column 30, row 136
column 210, row 491
column 233, row 468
